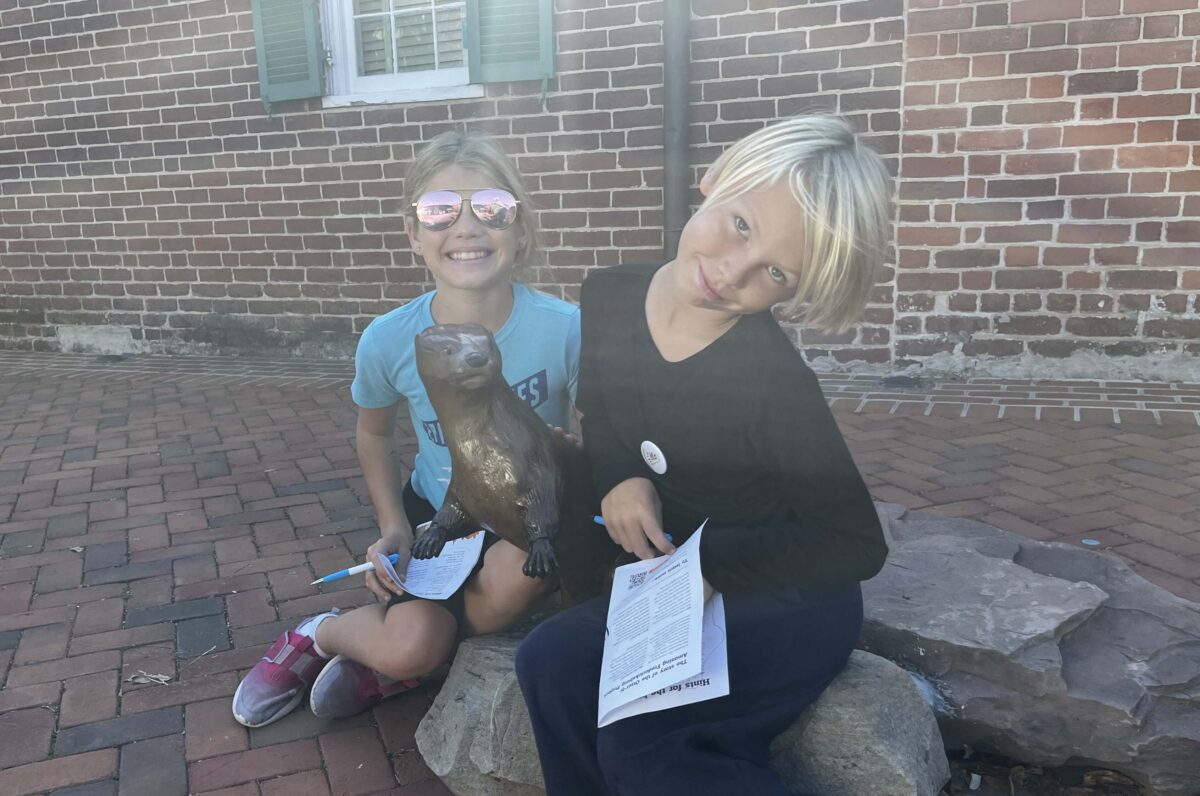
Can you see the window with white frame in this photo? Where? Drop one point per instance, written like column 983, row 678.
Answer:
column 363, row 51
column 396, row 49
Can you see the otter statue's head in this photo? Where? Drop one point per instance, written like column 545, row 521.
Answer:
column 459, row 355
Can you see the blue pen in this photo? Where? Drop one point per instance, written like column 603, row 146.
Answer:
column 600, row 521
column 343, row 573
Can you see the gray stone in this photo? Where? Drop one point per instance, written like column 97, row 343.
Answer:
column 22, row 543
column 184, row 609
column 154, row 767
column 145, row 569
column 57, row 577
column 871, row 731
column 878, row 734
column 105, row 555
column 194, row 637
column 213, row 468
column 67, row 525
column 476, row 736
column 107, row 787
column 118, row 731
column 1045, row 653
column 50, row 441
column 79, row 454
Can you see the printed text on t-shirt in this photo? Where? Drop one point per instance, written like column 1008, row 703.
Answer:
column 534, row 390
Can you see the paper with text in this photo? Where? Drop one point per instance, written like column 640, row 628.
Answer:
column 438, row 578
column 653, row 639
column 710, row 683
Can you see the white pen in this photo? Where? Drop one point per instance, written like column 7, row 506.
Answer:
column 343, row 573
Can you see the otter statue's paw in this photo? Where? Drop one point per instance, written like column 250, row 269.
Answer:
column 541, row 561
column 430, row 544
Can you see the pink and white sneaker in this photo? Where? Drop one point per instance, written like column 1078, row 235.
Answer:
column 345, row 688
column 278, row 682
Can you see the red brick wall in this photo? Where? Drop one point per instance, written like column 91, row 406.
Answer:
column 1045, row 150
column 1049, row 172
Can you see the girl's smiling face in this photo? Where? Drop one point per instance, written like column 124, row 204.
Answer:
column 744, row 255
column 467, row 255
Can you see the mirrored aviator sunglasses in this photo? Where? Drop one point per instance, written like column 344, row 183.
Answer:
column 495, row 208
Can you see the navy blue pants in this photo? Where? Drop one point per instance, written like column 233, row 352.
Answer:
column 782, row 654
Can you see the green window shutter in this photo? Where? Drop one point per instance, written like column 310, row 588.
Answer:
column 290, row 63
column 510, row 40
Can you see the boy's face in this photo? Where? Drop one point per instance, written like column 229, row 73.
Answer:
column 467, row 255
column 744, row 255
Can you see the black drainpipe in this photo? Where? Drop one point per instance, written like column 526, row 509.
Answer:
column 677, row 177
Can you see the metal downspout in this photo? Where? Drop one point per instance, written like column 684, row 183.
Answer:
column 677, row 177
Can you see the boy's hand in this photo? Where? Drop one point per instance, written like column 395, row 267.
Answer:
column 633, row 517
column 382, row 586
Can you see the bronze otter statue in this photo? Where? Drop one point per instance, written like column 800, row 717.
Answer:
column 508, row 469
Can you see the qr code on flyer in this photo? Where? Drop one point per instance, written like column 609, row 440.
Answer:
column 637, row 579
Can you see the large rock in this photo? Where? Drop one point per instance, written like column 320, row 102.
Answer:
column 476, row 736
column 1045, row 653
column 870, row 732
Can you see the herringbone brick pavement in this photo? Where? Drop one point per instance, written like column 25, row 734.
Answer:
column 161, row 518
column 1133, row 490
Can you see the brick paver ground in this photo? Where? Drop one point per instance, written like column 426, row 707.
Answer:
column 164, row 516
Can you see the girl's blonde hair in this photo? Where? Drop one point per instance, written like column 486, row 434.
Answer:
column 481, row 154
column 843, row 189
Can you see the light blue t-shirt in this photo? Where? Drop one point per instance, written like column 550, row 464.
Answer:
column 539, row 344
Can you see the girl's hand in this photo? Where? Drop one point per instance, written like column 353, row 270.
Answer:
column 378, row 581
column 566, row 436
column 633, row 517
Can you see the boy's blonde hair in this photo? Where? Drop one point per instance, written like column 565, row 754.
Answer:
column 842, row 187
column 481, row 154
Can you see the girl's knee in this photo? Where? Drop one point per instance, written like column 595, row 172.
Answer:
column 413, row 644
column 527, row 590
column 415, row 661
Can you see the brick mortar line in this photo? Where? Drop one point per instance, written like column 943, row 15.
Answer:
column 872, row 41
column 215, row 369
column 1115, row 400
column 48, row 358
column 1005, row 384
column 176, row 376
column 194, row 364
column 214, row 379
column 1031, row 389
column 1001, row 408
column 858, row 388
column 298, row 130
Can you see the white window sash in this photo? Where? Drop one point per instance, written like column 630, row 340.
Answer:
column 343, row 83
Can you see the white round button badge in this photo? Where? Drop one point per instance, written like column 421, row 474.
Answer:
column 654, row 457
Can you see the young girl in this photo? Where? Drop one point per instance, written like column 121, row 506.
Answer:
column 696, row 405
column 468, row 216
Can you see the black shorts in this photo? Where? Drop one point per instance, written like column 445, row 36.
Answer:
column 419, row 510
